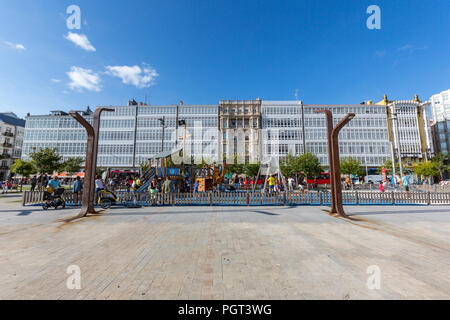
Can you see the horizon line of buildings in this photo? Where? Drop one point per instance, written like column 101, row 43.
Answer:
column 252, row 130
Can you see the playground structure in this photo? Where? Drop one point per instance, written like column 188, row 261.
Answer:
column 161, row 167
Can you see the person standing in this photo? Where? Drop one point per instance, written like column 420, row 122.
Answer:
column 45, row 180
column 271, row 182
column 33, row 183
column 166, row 185
column 291, row 184
column 196, row 185
column 405, row 182
column 77, row 187
column 99, row 184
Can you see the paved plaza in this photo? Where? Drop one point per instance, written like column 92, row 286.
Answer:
column 225, row 252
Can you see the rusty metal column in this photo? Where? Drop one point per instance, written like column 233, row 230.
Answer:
column 336, row 163
column 87, row 202
column 329, row 125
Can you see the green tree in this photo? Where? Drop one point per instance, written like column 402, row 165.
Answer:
column 351, row 166
column 46, row 160
column 291, row 166
column 427, row 169
column 24, row 168
column 236, row 168
column 144, row 166
column 251, row 169
column 309, row 164
column 72, row 165
column 99, row 171
column 439, row 160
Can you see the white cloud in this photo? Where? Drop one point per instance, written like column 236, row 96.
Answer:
column 17, row 46
column 83, row 79
column 80, row 40
column 380, row 54
column 55, row 80
column 411, row 48
column 134, row 75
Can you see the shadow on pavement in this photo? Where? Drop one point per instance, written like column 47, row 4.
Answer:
column 397, row 212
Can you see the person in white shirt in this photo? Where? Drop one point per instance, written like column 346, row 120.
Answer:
column 99, row 184
column 291, row 184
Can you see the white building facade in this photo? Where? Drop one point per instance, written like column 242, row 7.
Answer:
column 440, row 106
column 130, row 135
column 246, row 130
column 365, row 138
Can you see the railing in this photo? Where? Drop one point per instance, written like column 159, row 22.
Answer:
column 258, row 198
column 8, row 134
column 7, row 145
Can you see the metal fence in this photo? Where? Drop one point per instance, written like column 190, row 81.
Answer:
column 258, row 198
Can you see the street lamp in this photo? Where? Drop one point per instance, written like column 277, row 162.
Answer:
column 397, row 138
column 163, row 124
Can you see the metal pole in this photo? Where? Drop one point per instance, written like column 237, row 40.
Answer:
column 87, row 202
column 393, row 162
column 336, row 163
column 176, row 128
column 135, row 133
column 163, row 122
column 303, row 128
column 397, row 135
column 184, row 142
column 329, row 124
column 365, row 162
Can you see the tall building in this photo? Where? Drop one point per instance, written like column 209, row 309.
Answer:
column 128, row 136
column 440, row 106
column 409, row 128
column 365, row 138
column 249, row 130
column 239, row 126
column 441, row 136
column 12, row 131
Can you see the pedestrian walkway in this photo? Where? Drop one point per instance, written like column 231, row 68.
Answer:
column 225, row 253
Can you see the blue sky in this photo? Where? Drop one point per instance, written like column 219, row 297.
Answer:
column 204, row 51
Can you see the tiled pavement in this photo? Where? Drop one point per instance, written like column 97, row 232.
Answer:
column 225, row 253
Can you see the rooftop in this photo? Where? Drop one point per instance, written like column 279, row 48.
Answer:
column 5, row 117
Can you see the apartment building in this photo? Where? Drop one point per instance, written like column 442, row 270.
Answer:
column 11, row 139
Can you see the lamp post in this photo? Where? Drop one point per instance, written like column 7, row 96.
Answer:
column 303, row 120
column 163, row 123
column 183, row 123
column 303, row 127
column 397, row 137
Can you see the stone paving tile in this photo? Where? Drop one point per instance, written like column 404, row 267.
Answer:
column 225, row 253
